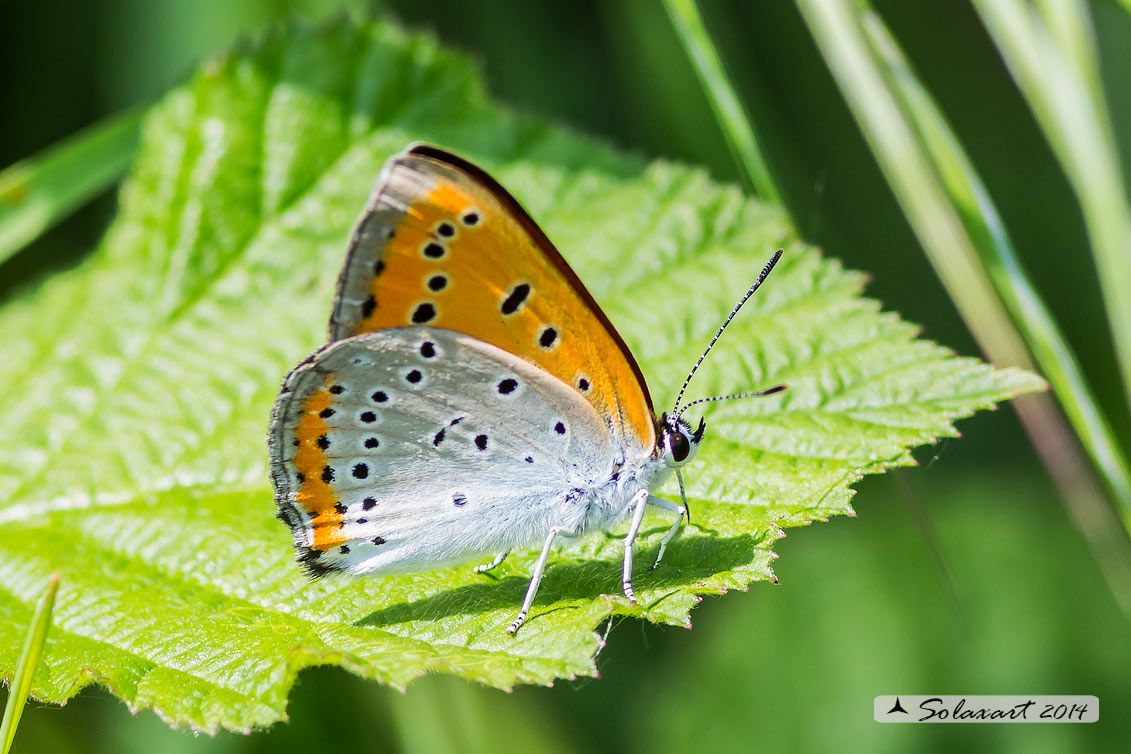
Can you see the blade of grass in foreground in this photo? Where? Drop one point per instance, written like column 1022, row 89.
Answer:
column 954, row 256
column 987, row 231
column 29, row 660
column 908, row 171
column 1050, row 50
column 38, row 192
column 724, row 101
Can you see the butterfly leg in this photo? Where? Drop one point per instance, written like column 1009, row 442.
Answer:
column 535, row 580
column 679, row 511
column 483, row 568
column 638, row 503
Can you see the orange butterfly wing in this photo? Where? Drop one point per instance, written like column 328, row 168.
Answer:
column 442, row 244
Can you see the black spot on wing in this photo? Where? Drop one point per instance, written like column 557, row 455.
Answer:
column 515, row 299
column 423, row 313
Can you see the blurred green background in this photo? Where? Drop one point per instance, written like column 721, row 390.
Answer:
column 962, row 576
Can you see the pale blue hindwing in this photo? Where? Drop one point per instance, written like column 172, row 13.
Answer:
column 477, row 451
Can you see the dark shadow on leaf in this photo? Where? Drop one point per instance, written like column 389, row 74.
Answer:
column 688, row 561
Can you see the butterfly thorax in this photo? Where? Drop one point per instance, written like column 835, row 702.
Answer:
column 610, row 503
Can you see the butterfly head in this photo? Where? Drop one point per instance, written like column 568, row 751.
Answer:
column 678, row 442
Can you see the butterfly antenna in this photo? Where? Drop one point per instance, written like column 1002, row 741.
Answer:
column 733, row 396
column 761, row 276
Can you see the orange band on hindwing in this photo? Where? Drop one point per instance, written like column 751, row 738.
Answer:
column 316, row 492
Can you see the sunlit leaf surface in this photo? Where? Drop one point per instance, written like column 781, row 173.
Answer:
column 138, row 388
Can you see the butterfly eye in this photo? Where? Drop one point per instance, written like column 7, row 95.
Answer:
column 680, row 446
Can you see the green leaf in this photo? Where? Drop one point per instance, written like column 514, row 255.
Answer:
column 139, row 387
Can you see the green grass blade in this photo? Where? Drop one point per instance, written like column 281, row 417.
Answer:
column 29, row 660
column 724, row 101
column 1050, row 50
column 987, row 230
column 40, row 191
column 952, row 253
column 912, row 178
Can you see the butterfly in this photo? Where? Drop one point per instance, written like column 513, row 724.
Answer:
column 473, row 398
